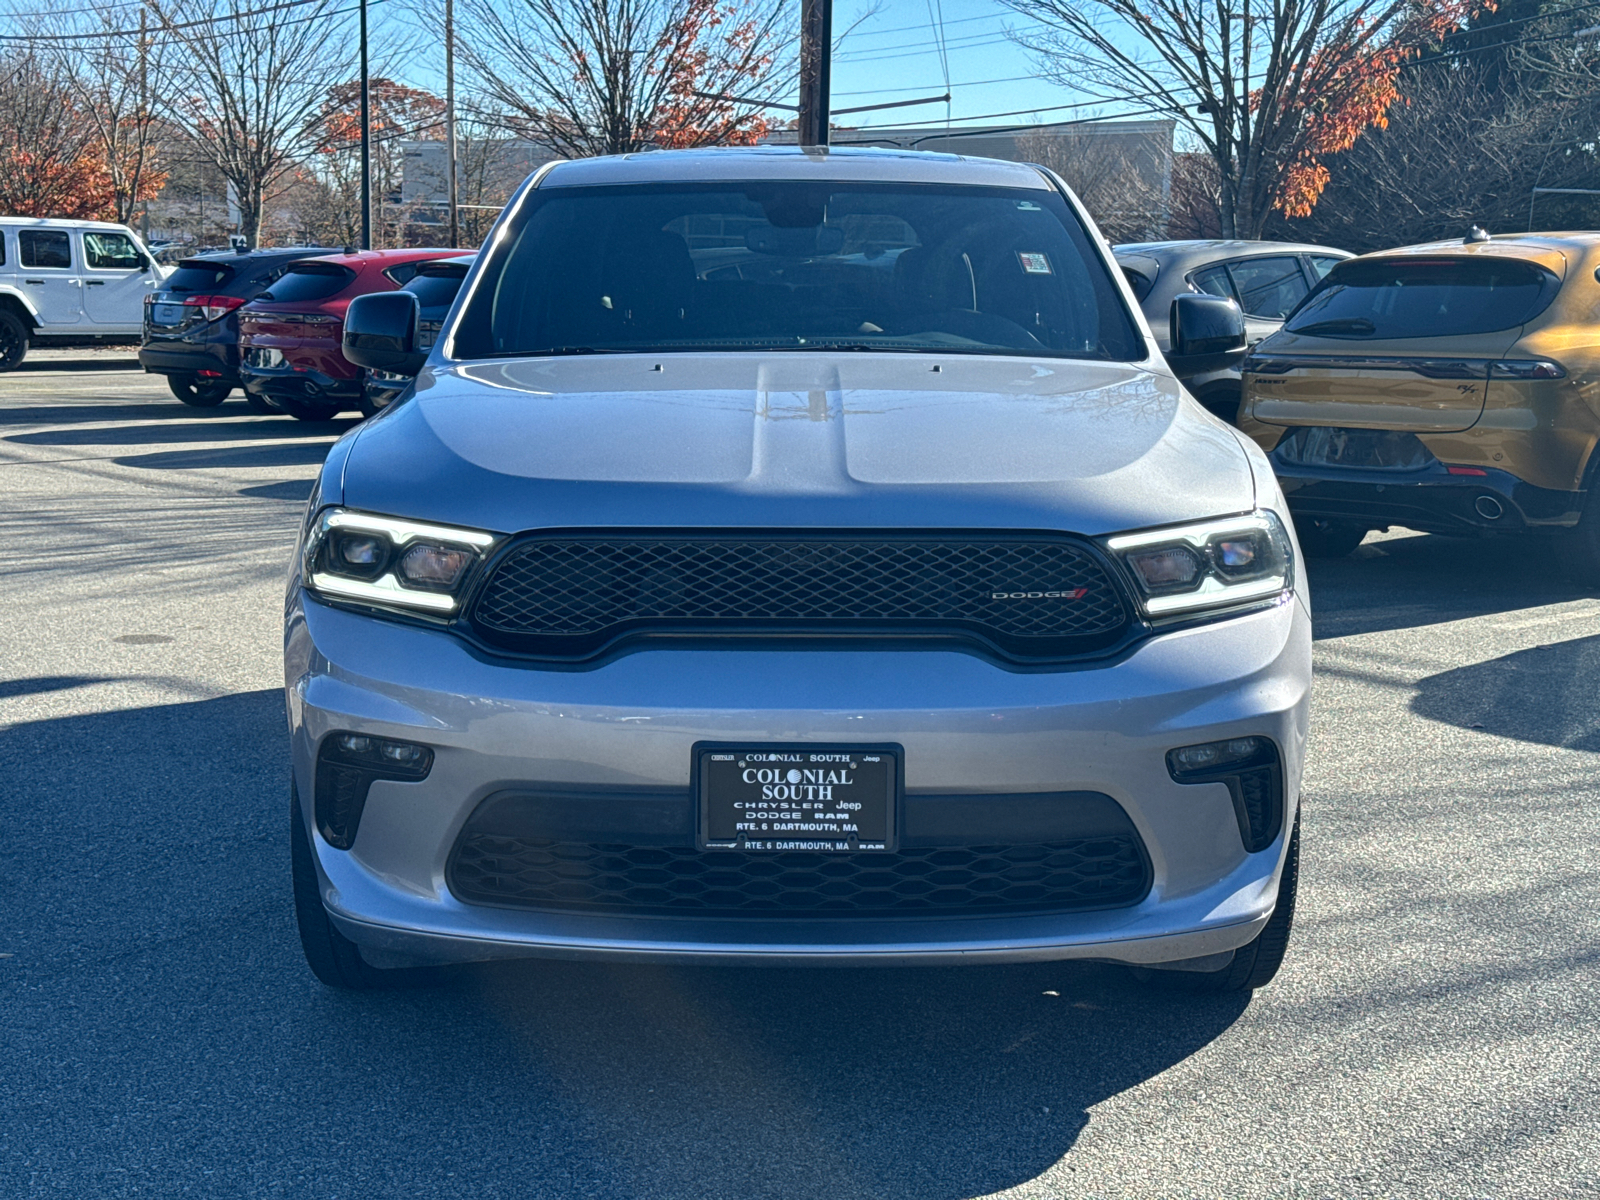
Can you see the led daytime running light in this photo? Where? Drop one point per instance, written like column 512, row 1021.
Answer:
column 389, row 588
column 1268, row 571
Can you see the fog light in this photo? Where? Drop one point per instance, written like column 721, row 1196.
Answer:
column 347, row 766
column 1253, row 774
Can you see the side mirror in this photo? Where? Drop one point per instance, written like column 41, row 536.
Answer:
column 1207, row 335
column 380, row 332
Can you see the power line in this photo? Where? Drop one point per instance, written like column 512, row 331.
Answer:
column 924, row 87
column 970, row 42
column 168, row 27
column 1021, row 112
column 920, row 28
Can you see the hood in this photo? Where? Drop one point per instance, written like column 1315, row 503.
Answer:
column 869, row 440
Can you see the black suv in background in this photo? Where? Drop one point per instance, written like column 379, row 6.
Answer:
column 191, row 327
column 435, row 286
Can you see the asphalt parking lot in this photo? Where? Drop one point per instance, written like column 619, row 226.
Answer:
column 1433, row 1034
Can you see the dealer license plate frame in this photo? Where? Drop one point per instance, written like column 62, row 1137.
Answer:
column 711, row 792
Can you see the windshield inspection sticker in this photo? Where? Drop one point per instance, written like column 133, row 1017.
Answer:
column 1034, row 264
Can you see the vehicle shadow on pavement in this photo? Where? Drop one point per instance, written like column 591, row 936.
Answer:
column 99, row 412
column 256, row 429
column 155, row 979
column 76, row 366
column 1429, row 579
column 283, row 454
column 1545, row 695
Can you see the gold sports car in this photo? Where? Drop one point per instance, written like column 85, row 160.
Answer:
column 1452, row 387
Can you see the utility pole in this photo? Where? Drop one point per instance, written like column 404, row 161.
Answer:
column 816, row 64
column 450, row 120
column 366, row 141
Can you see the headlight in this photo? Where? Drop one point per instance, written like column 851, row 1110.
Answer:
column 383, row 560
column 1211, row 564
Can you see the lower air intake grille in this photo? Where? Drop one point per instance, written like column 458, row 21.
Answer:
column 1100, row 872
column 1028, row 596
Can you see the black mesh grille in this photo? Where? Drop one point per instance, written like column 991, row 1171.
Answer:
column 1100, row 872
column 1041, row 597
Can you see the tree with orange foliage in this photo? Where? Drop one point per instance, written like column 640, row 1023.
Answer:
column 1266, row 90
column 395, row 111
column 52, row 158
column 587, row 77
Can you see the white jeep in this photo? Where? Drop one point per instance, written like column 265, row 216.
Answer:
column 70, row 280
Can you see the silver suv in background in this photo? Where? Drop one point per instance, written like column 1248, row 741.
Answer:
column 794, row 558
column 1265, row 279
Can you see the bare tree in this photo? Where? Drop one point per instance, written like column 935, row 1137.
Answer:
column 1121, row 182
column 247, row 84
column 1465, row 149
column 112, row 71
column 591, row 77
column 1265, row 89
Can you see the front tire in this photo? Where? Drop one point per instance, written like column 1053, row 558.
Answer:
column 194, row 393
column 332, row 957
column 13, row 341
column 1255, row 963
column 1328, row 539
column 257, row 403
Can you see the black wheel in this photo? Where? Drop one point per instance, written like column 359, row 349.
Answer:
column 198, row 393
column 309, row 410
column 13, row 341
column 1254, row 964
column 365, row 406
column 333, row 958
column 257, row 403
column 1328, row 539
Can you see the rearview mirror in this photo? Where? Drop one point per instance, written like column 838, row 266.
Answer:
column 380, row 332
column 1207, row 335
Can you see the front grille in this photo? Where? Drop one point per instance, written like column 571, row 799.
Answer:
column 1027, row 596
column 1083, row 873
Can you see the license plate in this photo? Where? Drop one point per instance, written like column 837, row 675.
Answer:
column 166, row 314
column 771, row 799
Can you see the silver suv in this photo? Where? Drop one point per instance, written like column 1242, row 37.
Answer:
column 794, row 557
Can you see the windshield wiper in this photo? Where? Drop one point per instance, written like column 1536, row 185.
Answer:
column 1358, row 325
column 560, row 350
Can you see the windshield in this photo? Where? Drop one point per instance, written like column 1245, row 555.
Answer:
column 796, row 266
column 310, row 281
column 1414, row 298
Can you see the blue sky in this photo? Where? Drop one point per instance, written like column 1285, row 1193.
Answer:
column 895, row 55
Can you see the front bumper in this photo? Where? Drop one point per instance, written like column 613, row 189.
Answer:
column 966, row 726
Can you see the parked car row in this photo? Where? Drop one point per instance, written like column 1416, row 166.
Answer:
column 1445, row 387
column 271, row 322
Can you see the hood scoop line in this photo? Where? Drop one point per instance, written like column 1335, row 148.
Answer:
column 799, row 430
